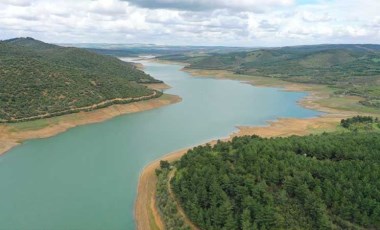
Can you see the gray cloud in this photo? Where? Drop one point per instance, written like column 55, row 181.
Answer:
column 209, row 5
column 178, row 5
column 268, row 26
column 22, row 3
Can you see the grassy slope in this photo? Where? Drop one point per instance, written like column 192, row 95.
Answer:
column 39, row 78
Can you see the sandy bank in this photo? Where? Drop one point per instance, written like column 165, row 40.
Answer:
column 14, row 134
column 146, row 213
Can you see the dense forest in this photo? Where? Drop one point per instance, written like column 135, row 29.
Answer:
column 328, row 181
column 39, row 78
column 352, row 69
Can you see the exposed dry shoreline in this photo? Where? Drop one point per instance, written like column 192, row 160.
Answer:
column 146, row 213
column 12, row 135
column 88, row 107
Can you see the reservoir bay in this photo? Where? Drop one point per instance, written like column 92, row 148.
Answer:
column 86, row 178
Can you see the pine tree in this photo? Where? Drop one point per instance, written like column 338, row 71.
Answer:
column 246, row 223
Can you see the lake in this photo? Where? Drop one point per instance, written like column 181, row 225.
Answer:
column 86, row 178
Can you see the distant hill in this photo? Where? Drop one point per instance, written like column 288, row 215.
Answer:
column 355, row 69
column 41, row 80
column 134, row 51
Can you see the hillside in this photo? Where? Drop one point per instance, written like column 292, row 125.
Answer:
column 40, row 79
column 327, row 181
column 351, row 69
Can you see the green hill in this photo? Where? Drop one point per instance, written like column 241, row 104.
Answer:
column 327, row 181
column 40, row 79
column 352, row 69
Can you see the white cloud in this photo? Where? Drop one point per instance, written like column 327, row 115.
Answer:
column 244, row 22
column 312, row 17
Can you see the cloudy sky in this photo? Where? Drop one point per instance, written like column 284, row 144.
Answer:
column 193, row 22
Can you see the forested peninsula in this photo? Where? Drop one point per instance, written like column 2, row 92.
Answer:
column 40, row 80
column 327, row 181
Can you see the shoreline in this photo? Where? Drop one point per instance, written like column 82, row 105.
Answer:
column 314, row 91
column 14, row 134
column 87, row 108
column 145, row 202
column 146, row 213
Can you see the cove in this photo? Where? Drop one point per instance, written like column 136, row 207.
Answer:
column 86, row 178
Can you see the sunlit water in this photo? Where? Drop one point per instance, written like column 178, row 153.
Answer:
column 86, row 178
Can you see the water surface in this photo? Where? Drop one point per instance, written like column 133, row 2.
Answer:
column 86, row 178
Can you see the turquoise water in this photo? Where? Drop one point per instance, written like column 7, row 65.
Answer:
column 86, row 178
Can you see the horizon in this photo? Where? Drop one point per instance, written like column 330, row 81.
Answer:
column 167, row 45
column 243, row 23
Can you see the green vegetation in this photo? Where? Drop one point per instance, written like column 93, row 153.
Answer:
column 165, row 203
column 358, row 123
column 327, row 181
column 40, row 79
column 349, row 69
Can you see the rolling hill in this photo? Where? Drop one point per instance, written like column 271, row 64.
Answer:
column 41, row 80
column 352, row 69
